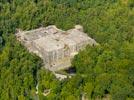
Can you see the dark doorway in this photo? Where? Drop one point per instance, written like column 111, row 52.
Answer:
column 71, row 70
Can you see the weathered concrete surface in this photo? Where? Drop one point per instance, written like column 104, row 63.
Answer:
column 56, row 47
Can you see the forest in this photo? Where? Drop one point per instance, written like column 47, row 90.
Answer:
column 105, row 71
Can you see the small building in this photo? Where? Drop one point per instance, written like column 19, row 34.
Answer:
column 55, row 46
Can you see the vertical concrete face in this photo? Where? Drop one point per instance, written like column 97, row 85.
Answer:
column 56, row 47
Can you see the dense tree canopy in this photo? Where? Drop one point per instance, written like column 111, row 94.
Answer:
column 103, row 71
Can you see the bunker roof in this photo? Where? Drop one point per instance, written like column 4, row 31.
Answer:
column 51, row 38
column 49, row 44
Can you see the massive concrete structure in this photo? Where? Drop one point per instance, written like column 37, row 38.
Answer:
column 56, row 47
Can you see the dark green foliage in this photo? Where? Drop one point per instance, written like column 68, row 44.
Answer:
column 18, row 70
column 107, row 69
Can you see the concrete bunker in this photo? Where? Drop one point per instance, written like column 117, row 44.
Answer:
column 55, row 46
